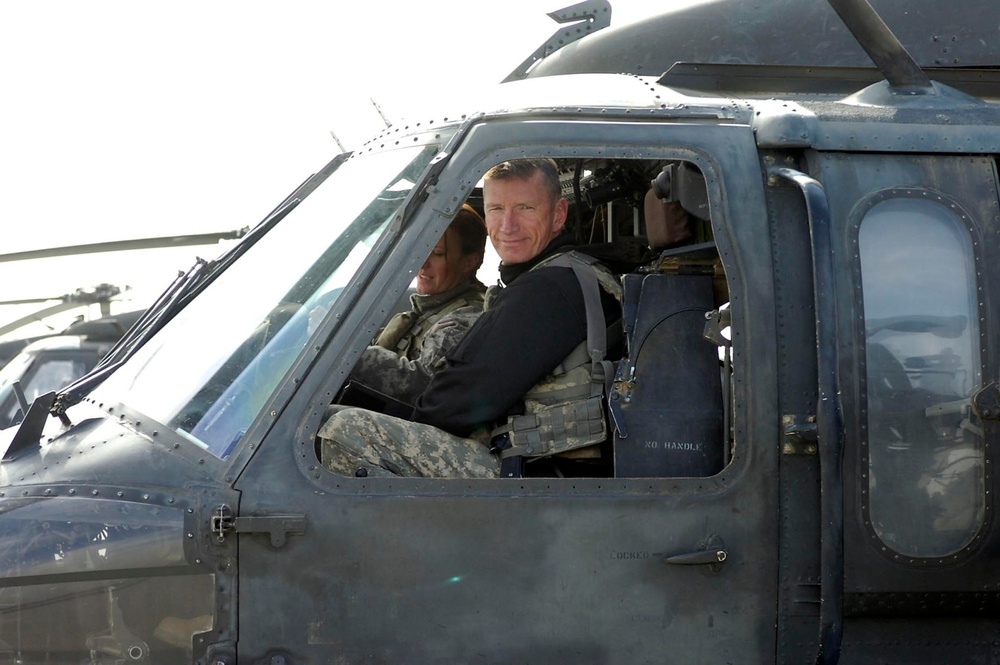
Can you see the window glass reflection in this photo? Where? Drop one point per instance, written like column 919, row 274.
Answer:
column 62, row 535
column 154, row 620
column 208, row 373
column 926, row 475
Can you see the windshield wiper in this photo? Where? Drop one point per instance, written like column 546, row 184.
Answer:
column 164, row 309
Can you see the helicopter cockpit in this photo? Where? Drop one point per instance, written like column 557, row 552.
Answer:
column 648, row 221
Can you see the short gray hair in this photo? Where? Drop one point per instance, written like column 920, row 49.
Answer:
column 526, row 168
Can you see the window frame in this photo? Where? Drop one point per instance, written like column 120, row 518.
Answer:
column 721, row 152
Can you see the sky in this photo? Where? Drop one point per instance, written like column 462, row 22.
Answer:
column 124, row 119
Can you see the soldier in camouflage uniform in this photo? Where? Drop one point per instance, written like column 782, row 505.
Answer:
column 527, row 343
column 449, row 299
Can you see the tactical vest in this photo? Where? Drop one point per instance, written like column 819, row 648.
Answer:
column 405, row 332
column 565, row 410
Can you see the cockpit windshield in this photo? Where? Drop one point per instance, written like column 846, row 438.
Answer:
column 212, row 368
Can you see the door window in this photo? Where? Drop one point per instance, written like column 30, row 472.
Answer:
column 926, row 480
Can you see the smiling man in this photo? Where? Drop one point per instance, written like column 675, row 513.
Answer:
column 522, row 372
column 525, row 210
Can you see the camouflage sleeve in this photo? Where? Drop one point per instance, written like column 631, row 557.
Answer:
column 402, row 379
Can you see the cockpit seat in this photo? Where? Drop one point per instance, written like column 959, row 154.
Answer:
column 666, row 404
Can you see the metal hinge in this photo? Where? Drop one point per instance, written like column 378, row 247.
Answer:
column 800, row 435
column 277, row 526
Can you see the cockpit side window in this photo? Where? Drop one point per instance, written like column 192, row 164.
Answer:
column 923, row 446
column 669, row 408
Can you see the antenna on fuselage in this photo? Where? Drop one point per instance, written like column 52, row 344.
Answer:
column 339, row 144
column 379, row 109
column 582, row 18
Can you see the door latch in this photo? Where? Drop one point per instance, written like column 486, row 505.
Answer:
column 712, row 554
column 278, row 527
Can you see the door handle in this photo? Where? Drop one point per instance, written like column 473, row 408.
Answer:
column 712, row 553
column 700, row 558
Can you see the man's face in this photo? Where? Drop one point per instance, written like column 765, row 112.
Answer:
column 521, row 216
column 446, row 267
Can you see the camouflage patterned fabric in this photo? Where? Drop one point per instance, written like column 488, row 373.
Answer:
column 413, row 345
column 389, row 447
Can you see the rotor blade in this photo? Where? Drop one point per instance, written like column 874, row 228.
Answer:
column 41, row 314
column 124, row 245
column 28, row 301
column 99, row 294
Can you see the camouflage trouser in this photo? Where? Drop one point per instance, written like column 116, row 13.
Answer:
column 384, row 446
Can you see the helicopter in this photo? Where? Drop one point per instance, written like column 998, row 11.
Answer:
column 799, row 467
column 55, row 361
column 101, row 295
